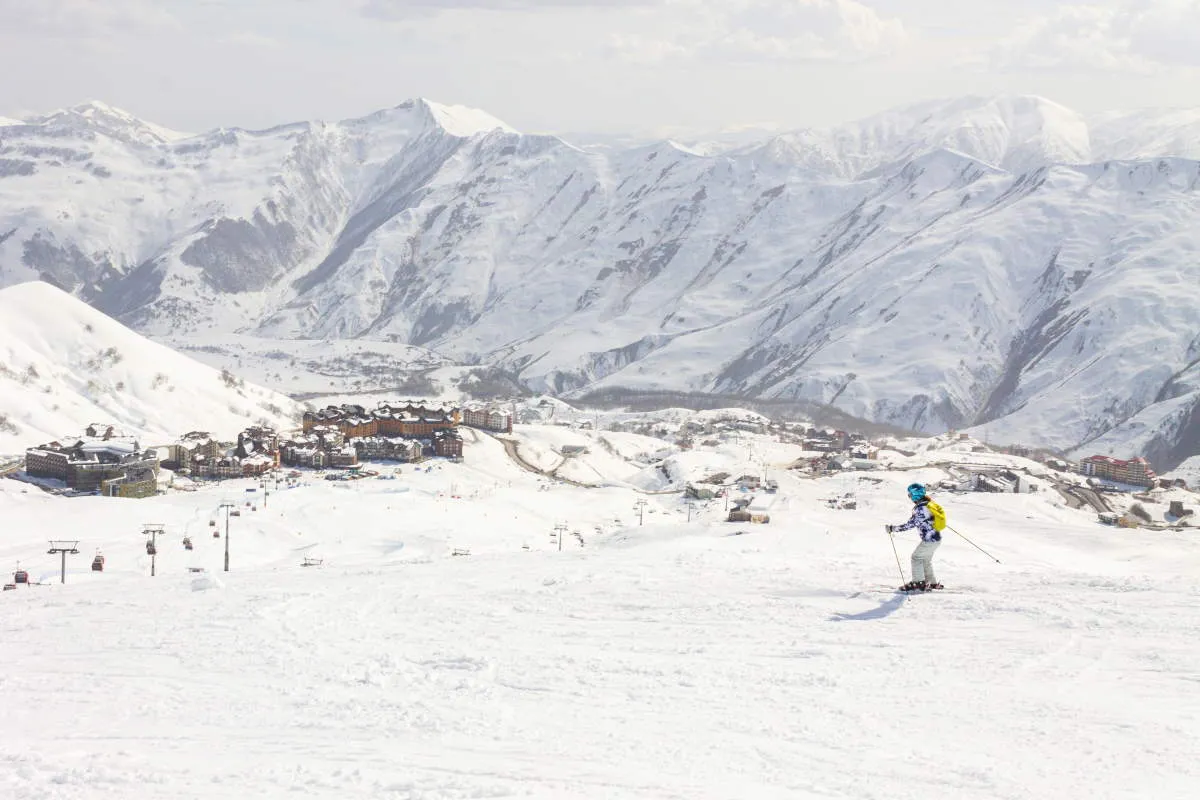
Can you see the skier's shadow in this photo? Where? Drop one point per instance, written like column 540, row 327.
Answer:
column 884, row 610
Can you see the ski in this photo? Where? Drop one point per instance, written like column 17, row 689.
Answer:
column 898, row 590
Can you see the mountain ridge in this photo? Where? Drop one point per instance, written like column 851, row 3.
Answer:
column 937, row 266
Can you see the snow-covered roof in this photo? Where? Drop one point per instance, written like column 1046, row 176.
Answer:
column 117, row 446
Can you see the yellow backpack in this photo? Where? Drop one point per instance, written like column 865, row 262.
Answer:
column 939, row 515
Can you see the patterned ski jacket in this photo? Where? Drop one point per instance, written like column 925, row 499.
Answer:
column 922, row 520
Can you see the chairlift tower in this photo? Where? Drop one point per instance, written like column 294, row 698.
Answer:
column 640, row 507
column 64, row 548
column 559, row 530
column 227, row 506
column 153, row 530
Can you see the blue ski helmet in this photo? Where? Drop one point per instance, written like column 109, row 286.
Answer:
column 916, row 492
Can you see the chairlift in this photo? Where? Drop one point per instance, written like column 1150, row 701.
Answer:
column 98, row 563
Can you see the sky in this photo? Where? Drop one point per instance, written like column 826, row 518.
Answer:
column 659, row 67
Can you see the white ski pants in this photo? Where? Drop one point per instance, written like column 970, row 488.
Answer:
column 922, row 562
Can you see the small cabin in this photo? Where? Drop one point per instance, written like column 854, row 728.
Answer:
column 98, row 563
column 21, row 576
column 151, row 550
column 187, row 543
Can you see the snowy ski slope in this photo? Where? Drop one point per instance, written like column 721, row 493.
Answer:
column 669, row 660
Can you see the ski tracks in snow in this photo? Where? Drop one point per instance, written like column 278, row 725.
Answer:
column 697, row 668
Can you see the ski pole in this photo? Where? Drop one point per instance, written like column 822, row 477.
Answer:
column 895, row 552
column 977, row 547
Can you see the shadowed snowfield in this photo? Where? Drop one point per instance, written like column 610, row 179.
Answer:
column 668, row 660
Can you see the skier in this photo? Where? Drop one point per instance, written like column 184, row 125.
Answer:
column 925, row 518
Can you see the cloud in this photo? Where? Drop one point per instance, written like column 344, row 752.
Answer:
column 766, row 30
column 250, row 39
column 406, row 9
column 1167, row 31
column 1142, row 36
column 80, row 18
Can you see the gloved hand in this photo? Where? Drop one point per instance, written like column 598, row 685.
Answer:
column 889, row 528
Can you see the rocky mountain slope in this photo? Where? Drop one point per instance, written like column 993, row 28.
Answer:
column 1003, row 263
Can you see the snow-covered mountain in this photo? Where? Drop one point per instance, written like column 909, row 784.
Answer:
column 64, row 365
column 1004, row 263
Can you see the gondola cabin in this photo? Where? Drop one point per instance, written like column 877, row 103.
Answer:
column 98, row 563
column 187, row 543
column 212, row 523
column 216, row 534
column 151, row 550
column 235, row 513
column 20, row 576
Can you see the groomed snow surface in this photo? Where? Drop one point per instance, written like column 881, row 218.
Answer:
column 668, row 660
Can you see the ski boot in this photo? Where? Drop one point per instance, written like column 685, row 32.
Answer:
column 931, row 586
column 913, row 586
